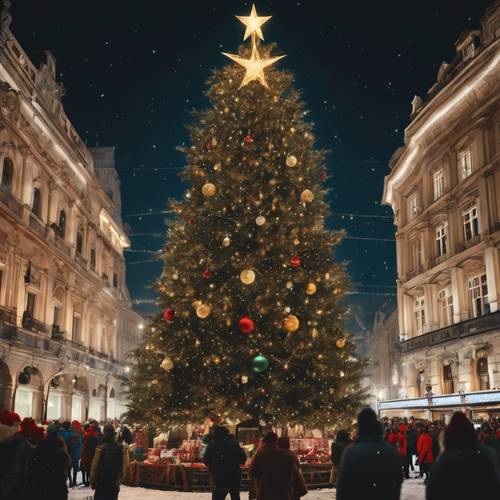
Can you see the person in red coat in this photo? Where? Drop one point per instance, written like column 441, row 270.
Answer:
column 393, row 436
column 403, row 449
column 424, row 451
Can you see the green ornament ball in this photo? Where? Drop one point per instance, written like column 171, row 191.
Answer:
column 260, row 363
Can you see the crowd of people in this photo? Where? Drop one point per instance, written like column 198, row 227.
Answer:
column 456, row 460
column 38, row 463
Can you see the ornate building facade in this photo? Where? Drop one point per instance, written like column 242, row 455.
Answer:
column 66, row 323
column 444, row 188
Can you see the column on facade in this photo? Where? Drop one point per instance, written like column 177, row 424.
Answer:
column 53, row 203
column 483, row 206
column 492, row 264
column 19, row 289
column 49, row 286
column 459, row 294
column 454, row 228
column 71, row 227
column 426, row 247
column 68, row 313
column 27, row 180
column 430, row 307
column 406, row 304
column 84, row 333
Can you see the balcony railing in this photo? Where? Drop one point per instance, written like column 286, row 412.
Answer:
column 8, row 316
column 62, row 245
column 33, row 324
column 8, row 199
column 466, row 328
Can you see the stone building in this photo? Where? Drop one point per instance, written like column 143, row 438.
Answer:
column 383, row 353
column 444, row 188
column 66, row 323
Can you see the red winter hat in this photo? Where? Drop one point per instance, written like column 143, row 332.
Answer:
column 9, row 418
column 76, row 425
column 460, row 432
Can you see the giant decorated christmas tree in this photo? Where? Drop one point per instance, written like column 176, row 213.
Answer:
column 252, row 322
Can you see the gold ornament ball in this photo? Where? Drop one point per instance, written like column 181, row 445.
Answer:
column 289, row 285
column 311, row 289
column 203, row 310
column 208, row 190
column 306, row 196
column 291, row 323
column 244, row 379
column 291, row 161
column 260, row 220
column 226, row 241
column 167, row 364
column 340, row 343
column 247, row 276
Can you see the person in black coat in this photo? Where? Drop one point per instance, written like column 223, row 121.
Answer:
column 342, row 441
column 47, row 469
column 464, row 470
column 370, row 467
column 223, row 457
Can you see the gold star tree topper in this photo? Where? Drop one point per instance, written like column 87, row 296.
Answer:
column 255, row 65
column 253, row 23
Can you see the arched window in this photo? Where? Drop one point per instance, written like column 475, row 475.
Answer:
column 483, row 376
column 36, row 207
column 79, row 241
column 7, row 174
column 448, row 384
column 62, row 224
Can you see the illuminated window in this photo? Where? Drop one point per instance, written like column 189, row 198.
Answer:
column 478, row 296
column 419, row 315
column 442, row 240
column 438, row 178
column 465, row 162
column 471, row 223
column 483, row 375
column 413, row 205
column 445, row 307
column 448, row 383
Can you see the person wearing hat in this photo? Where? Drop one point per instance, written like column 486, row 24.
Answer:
column 464, row 470
column 109, row 466
column 370, row 468
column 73, row 435
column 48, row 468
column 15, row 451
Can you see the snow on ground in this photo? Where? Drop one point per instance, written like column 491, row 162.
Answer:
column 413, row 489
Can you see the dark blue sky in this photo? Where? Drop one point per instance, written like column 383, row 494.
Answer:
column 133, row 71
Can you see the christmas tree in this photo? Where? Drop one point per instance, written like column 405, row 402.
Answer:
column 252, row 323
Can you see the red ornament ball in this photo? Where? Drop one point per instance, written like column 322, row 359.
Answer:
column 168, row 315
column 191, row 222
column 207, row 274
column 323, row 176
column 295, row 261
column 248, row 139
column 246, row 325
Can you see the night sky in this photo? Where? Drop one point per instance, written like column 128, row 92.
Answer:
column 134, row 70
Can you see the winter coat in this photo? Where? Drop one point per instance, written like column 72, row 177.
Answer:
column 392, row 438
column 424, row 449
column 109, row 466
column 14, row 457
column 338, row 450
column 370, row 470
column 90, row 442
column 411, row 440
column 74, row 443
column 462, row 474
column 224, row 457
column 401, row 444
column 48, row 471
column 273, row 471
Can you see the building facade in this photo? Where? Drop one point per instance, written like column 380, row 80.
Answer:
column 66, row 323
column 444, row 188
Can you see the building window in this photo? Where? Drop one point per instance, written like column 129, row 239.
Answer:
column 438, row 178
column 465, row 162
column 414, row 254
column 468, row 51
column 442, row 240
column 471, row 223
column 115, row 280
column 413, row 205
column 55, row 321
column 478, row 296
column 75, row 332
column 421, row 382
column 92, row 259
column 483, row 376
column 419, row 315
column 7, row 174
column 61, row 226
column 445, row 307
column 79, row 242
column 36, row 207
column 448, row 384
column 30, row 305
